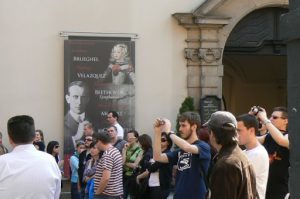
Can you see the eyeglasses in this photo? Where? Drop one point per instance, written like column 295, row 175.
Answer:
column 163, row 139
column 57, row 146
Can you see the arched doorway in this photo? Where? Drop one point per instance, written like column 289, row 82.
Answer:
column 213, row 64
column 255, row 64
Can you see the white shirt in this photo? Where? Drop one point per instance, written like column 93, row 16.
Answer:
column 154, row 177
column 26, row 173
column 120, row 130
column 259, row 158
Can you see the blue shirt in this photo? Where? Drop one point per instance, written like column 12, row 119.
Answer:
column 189, row 181
column 74, row 164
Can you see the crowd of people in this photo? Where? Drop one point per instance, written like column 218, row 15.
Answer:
column 234, row 161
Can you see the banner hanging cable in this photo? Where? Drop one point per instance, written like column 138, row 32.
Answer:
column 97, row 34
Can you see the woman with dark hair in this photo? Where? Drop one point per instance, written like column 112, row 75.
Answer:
column 158, row 175
column 90, row 170
column 132, row 154
column 145, row 142
column 53, row 149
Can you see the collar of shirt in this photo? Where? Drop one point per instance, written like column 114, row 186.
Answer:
column 23, row 147
column 76, row 116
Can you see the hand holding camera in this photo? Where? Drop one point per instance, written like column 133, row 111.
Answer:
column 158, row 123
column 255, row 110
column 259, row 112
column 162, row 125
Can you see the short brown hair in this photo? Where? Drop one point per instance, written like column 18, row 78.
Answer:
column 193, row 118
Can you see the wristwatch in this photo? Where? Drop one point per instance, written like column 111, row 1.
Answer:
column 169, row 134
column 266, row 122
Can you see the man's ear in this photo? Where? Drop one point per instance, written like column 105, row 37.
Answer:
column 11, row 142
column 252, row 130
column 194, row 127
column 67, row 98
column 286, row 121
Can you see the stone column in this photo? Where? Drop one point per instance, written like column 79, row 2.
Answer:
column 203, row 54
column 291, row 34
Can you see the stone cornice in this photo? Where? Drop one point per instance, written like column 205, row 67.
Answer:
column 189, row 20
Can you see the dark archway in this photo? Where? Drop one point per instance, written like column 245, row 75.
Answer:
column 255, row 64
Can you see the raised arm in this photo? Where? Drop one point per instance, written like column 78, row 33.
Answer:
column 157, row 154
column 181, row 143
column 276, row 134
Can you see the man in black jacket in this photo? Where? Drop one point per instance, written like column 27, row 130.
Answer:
column 83, row 158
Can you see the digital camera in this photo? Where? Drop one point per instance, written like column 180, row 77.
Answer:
column 256, row 109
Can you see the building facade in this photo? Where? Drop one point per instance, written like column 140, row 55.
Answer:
column 172, row 61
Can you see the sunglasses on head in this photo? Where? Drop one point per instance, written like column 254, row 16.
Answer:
column 163, row 139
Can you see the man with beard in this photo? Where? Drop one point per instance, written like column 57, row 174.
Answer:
column 192, row 156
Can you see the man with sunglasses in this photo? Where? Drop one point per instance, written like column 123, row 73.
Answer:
column 84, row 156
column 276, row 143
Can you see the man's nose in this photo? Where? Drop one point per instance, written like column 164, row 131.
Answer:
column 78, row 100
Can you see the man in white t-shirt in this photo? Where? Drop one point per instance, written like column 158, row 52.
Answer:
column 112, row 118
column 26, row 172
column 256, row 153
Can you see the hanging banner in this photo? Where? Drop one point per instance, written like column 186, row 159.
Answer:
column 99, row 77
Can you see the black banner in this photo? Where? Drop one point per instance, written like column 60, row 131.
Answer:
column 99, row 77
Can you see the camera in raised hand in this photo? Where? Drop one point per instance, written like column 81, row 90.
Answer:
column 256, row 109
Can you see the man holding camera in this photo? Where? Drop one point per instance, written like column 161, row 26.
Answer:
column 192, row 156
column 276, row 143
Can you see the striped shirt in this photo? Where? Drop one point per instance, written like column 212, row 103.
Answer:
column 111, row 160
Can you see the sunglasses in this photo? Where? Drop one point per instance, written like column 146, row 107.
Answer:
column 163, row 139
column 57, row 146
column 276, row 117
column 88, row 140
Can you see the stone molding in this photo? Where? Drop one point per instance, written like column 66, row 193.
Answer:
column 192, row 54
column 210, row 55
